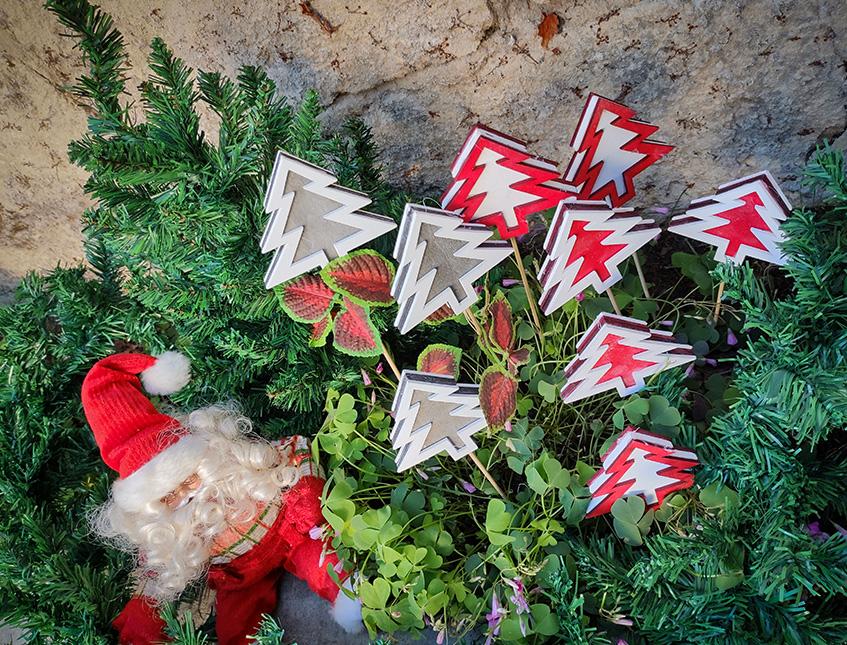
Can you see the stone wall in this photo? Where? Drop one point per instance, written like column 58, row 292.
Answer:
column 735, row 85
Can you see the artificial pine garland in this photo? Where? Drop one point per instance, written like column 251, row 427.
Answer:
column 173, row 247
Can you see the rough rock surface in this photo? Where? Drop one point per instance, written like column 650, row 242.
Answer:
column 736, row 85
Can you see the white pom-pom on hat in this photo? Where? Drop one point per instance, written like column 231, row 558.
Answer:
column 170, row 373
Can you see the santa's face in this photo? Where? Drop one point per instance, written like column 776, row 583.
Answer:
column 182, row 494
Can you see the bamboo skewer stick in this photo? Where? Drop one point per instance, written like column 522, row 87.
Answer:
column 390, row 362
column 641, row 275
column 536, row 318
column 717, row 311
column 487, row 475
column 614, row 302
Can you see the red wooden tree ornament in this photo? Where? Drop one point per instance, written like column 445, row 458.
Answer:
column 643, row 464
column 585, row 245
column 742, row 219
column 620, row 353
column 498, row 183
column 610, row 148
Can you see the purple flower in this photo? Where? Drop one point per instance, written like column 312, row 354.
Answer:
column 623, row 620
column 666, row 323
column 494, row 618
column 661, row 210
column 365, row 378
column 731, row 338
column 621, row 642
column 690, row 371
column 510, row 282
column 711, row 361
column 468, row 487
column 379, row 368
column 814, row 530
column 423, row 475
column 508, row 426
column 518, row 599
column 579, row 297
column 440, row 638
column 316, row 532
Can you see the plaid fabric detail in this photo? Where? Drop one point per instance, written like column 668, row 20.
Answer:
column 294, row 451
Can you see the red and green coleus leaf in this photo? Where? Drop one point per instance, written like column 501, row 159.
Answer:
column 353, row 331
column 518, row 357
column 440, row 359
column 306, row 298
column 498, row 396
column 363, row 276
column 499, row 324
column 320, row 331
column 440, row 315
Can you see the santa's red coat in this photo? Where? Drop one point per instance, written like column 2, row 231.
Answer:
column 247, row 586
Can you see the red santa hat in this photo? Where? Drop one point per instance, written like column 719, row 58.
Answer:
column 127, row 427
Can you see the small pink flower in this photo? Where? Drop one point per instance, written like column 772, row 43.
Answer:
column 494, row 618
column 621, row 642
column 510, row 282
column 666, row 323
column 316, row 532
column 508, row 426
column 661, row 210
column 518, row 599
column 626, row 622
column 470, row 488
column 423, row 475
column 440, row 638
column 690, row 371
column 379, row 368
column 365, row 378
column 338, row 567
column 579, row 297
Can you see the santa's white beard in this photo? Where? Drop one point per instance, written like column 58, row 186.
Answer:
column 238, row 476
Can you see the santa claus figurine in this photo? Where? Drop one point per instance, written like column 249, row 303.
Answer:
column 199, row 496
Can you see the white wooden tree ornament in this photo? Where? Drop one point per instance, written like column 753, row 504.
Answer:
column 313, row 220
column 434, row 414
column 439, row 258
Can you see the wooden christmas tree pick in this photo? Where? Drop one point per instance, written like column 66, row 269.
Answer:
column 585, row 246
column 620, row 353
column 643, row 464
column 313, row 220
column 434, row 414
column 439, row 258
column 742, row 219
column 610, row 148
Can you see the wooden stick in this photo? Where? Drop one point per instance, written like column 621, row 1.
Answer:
column 487, row 475
column 390, row 362
column 641, row 276
column 536, row 318
column 614, row 302
column 717, row 310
